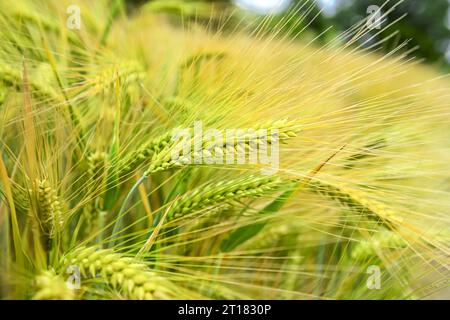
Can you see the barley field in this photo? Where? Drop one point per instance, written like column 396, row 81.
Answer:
column 307, row 170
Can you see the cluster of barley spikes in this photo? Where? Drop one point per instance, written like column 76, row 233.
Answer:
column 93, row 205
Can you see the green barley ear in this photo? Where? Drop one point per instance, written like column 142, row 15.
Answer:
column 25, row 13
column 50, row 286
column 21, row 199
column 138, row 157
column 356, row 200
column 180, row 107
column 221, row 194
column 127, row 72
column 11, row 78
column 382, row 241
column 287, row 129
column 129, row 276
column 367, row 151
column 117, row 7
column 244, row 140
column 97, row 169
column 49, row 213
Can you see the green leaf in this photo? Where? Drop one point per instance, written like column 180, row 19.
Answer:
column 180, row 186
column 243, row 234
column 116, row 7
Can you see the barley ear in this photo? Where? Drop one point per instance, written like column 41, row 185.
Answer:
column 358, row 201
column 239, row 142
column 97, row 169
column 129, row 276
column 50, row 286
column 48, row 209
column 382, row 241
column 223, row 193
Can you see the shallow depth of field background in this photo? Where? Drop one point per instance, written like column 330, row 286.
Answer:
column 426, row 25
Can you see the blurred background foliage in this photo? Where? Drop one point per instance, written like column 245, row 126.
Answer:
column 425, row 27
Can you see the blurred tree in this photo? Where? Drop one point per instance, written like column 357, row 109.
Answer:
column 424, row 26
